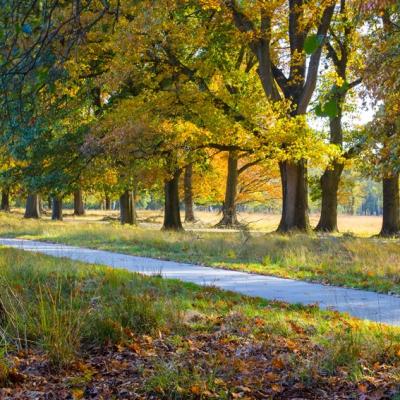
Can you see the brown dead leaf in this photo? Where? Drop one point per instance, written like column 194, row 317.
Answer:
column 243, row 389
column 119, row 348
column 219, row 381
column 298, row 329
column 16, row 377
column 148, row 339
column 135, row 347
column 272, row 377
column 276, row 388
column 291, row 345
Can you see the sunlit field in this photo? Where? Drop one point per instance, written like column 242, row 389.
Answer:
column 362, row 226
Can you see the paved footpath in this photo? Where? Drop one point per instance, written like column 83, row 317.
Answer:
column 359, row 303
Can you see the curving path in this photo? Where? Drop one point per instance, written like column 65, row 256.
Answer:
column 359, row 303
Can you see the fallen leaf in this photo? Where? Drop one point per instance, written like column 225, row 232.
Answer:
column 276, row 388
column 77, row 393
column 196, row 389
column 363, row 388
column 272, row 377
column 278, row 363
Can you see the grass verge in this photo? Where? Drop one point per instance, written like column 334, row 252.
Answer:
column 80, row 331
column 372, row 264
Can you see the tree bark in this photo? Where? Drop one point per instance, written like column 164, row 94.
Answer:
column 32, row 209
column 41, row 209
column 133, row 204
column 108, row 203
column 188, row 187
column 330, row 182
column 229, row 215
column 391, row 206
column 57, row 206
column 5, row 200
column 127, row 208
column 79, row 207
column 294, row 197
column 172, row 215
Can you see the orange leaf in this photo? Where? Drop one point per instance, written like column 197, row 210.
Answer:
column 291, row 344
column 195, row 389
column 278, row 363
column 135, row 347
column 77, row 394
column 363, row 388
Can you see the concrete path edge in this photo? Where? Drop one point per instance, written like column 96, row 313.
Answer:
column 359, row 303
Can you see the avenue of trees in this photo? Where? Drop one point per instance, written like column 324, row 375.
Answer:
column 199, row 100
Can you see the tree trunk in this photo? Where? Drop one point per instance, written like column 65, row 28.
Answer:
column 79, row 208
column 172, row 215
column 229, row 216
column 133, row 204
column 294, row 197
column 108, row 203
column 32, row 209
column 5, row 200
column 127, row 212
column 189, row 214
column 329, row 184
column 330, row 181
column 57, row 214
column 391, row 206
column 41, row 209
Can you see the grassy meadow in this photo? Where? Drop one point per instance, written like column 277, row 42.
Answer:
column 350, row 259
column 82, row 332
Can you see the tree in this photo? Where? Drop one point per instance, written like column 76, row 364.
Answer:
column 127, row 206
column 172, row 215
column 5, row 200
column 79, row 207
column 188, row 194
column 341, row 51
column 192, row 92
column 32, row 209
column 229, row 217
column 305, row 32
column 382, row 136
column 37, row 38
column 57, row 208
column 238, row 163
column 39, row 86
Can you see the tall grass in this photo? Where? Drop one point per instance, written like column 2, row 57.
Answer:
column 59, row 307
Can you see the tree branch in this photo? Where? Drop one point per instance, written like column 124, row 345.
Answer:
column 315, row 59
